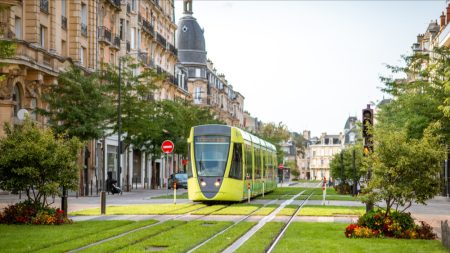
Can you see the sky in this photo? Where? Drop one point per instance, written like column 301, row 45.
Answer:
column 309, row 64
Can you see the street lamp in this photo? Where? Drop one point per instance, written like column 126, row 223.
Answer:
column 119, row 118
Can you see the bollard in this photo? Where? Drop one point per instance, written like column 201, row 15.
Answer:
column 64, row 201
column 263, row 189
column 103, row 203
column 175, row 193
column 248, row 191
column 91, row 187
column 96, row 185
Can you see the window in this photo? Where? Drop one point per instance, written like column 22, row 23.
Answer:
column 197, row 73
column 16, row 99
column 63, row 8
column 138, row 39
column 121, row 29
column 43, row 36
column 63, row 48
column 198, row 95
column 236, row 162
column 133, row 38
column 18, row 27
column 83, row 14
column 257, row 163
column 248, row 161
column 211, row 155
column 82, row 56
column 133, row 5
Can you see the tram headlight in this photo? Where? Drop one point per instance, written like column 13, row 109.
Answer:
column 217, row 183
column 202, row 183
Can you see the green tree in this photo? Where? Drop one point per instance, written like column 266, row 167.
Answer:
column 347, row 166
column 275, row 134
column 405, row 170
column 35, row 161
column 78, row 105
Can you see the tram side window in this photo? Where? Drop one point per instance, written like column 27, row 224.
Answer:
column 257, row 163
column 266, row 164
column 236, row 162
column 248, row 161
column 189, row 166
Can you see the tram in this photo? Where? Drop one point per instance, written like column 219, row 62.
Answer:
column 229, row 164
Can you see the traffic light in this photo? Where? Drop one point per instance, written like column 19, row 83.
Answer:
column 367, row 123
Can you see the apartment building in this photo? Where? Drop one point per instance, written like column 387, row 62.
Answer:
column 51, row 34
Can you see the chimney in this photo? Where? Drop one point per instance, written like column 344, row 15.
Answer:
column 448, row 14
column 442, row 20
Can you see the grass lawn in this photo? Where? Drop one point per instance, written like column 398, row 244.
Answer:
column 331, row 210
column 180, row 239
column 238, row 209
column 170, row 196
column 31, row 238
column 209, row 209
column 265, row 210
column 136, row 209
column 224, row 240
column 288, row 210
column 135, row 237
column 187, row 209
column 262, row 239
column 329, row 237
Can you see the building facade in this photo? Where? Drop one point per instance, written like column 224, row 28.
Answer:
column 50, row 35
column 207, row 87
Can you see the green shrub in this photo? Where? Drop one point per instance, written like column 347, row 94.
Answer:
column 27, row 212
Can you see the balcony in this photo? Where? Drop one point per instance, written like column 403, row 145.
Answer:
column 64, row 22
column 43, row 4
column 160, row 39
column 148, row 27
column 84, row 30
column 104, row 34
column 116, row 41
column 116, row 3
column 172, row 49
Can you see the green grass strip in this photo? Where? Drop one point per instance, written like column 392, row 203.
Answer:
column 30, row 238
column 288, row 210
column 145, row 209
column 265, row 210
column 238, row 209
column 261, row 240
column 180, row 239
column 331, row 210
column 329, row 237
column 208, row 209
column 170, row 196
column 135, row 237
column 86, row 240
column 224, row 240
column 187, row 209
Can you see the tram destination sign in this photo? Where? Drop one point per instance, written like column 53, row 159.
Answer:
column 167, row 146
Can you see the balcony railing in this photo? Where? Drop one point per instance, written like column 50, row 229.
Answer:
column 160, row 39
column 64, row 22
column 172, row 48
column 43, row 4
column 84, row 30
column 116, row 41
column 116, row 3
column 148, row 27
column 104, row 34
column 128, row 46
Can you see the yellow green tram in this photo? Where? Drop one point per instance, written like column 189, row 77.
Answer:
column 225, row 160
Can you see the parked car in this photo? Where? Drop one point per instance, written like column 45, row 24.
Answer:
column 180, row 179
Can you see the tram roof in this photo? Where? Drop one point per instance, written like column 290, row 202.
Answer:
column 250, row 137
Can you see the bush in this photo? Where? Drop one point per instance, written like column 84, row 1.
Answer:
column 27, row 213
column 396, row 224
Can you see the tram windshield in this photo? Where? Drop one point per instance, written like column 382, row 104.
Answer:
column 211, row 154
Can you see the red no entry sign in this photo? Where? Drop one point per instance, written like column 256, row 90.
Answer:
column 167, row 146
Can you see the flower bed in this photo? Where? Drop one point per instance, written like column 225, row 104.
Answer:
column 396, row 224
column 28, row 213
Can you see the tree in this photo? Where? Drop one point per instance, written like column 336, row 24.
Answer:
column 423, row 98
column 35, row 161
column 275, row 134
column 78, row 105
column 347, row 166
column 405, row 170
